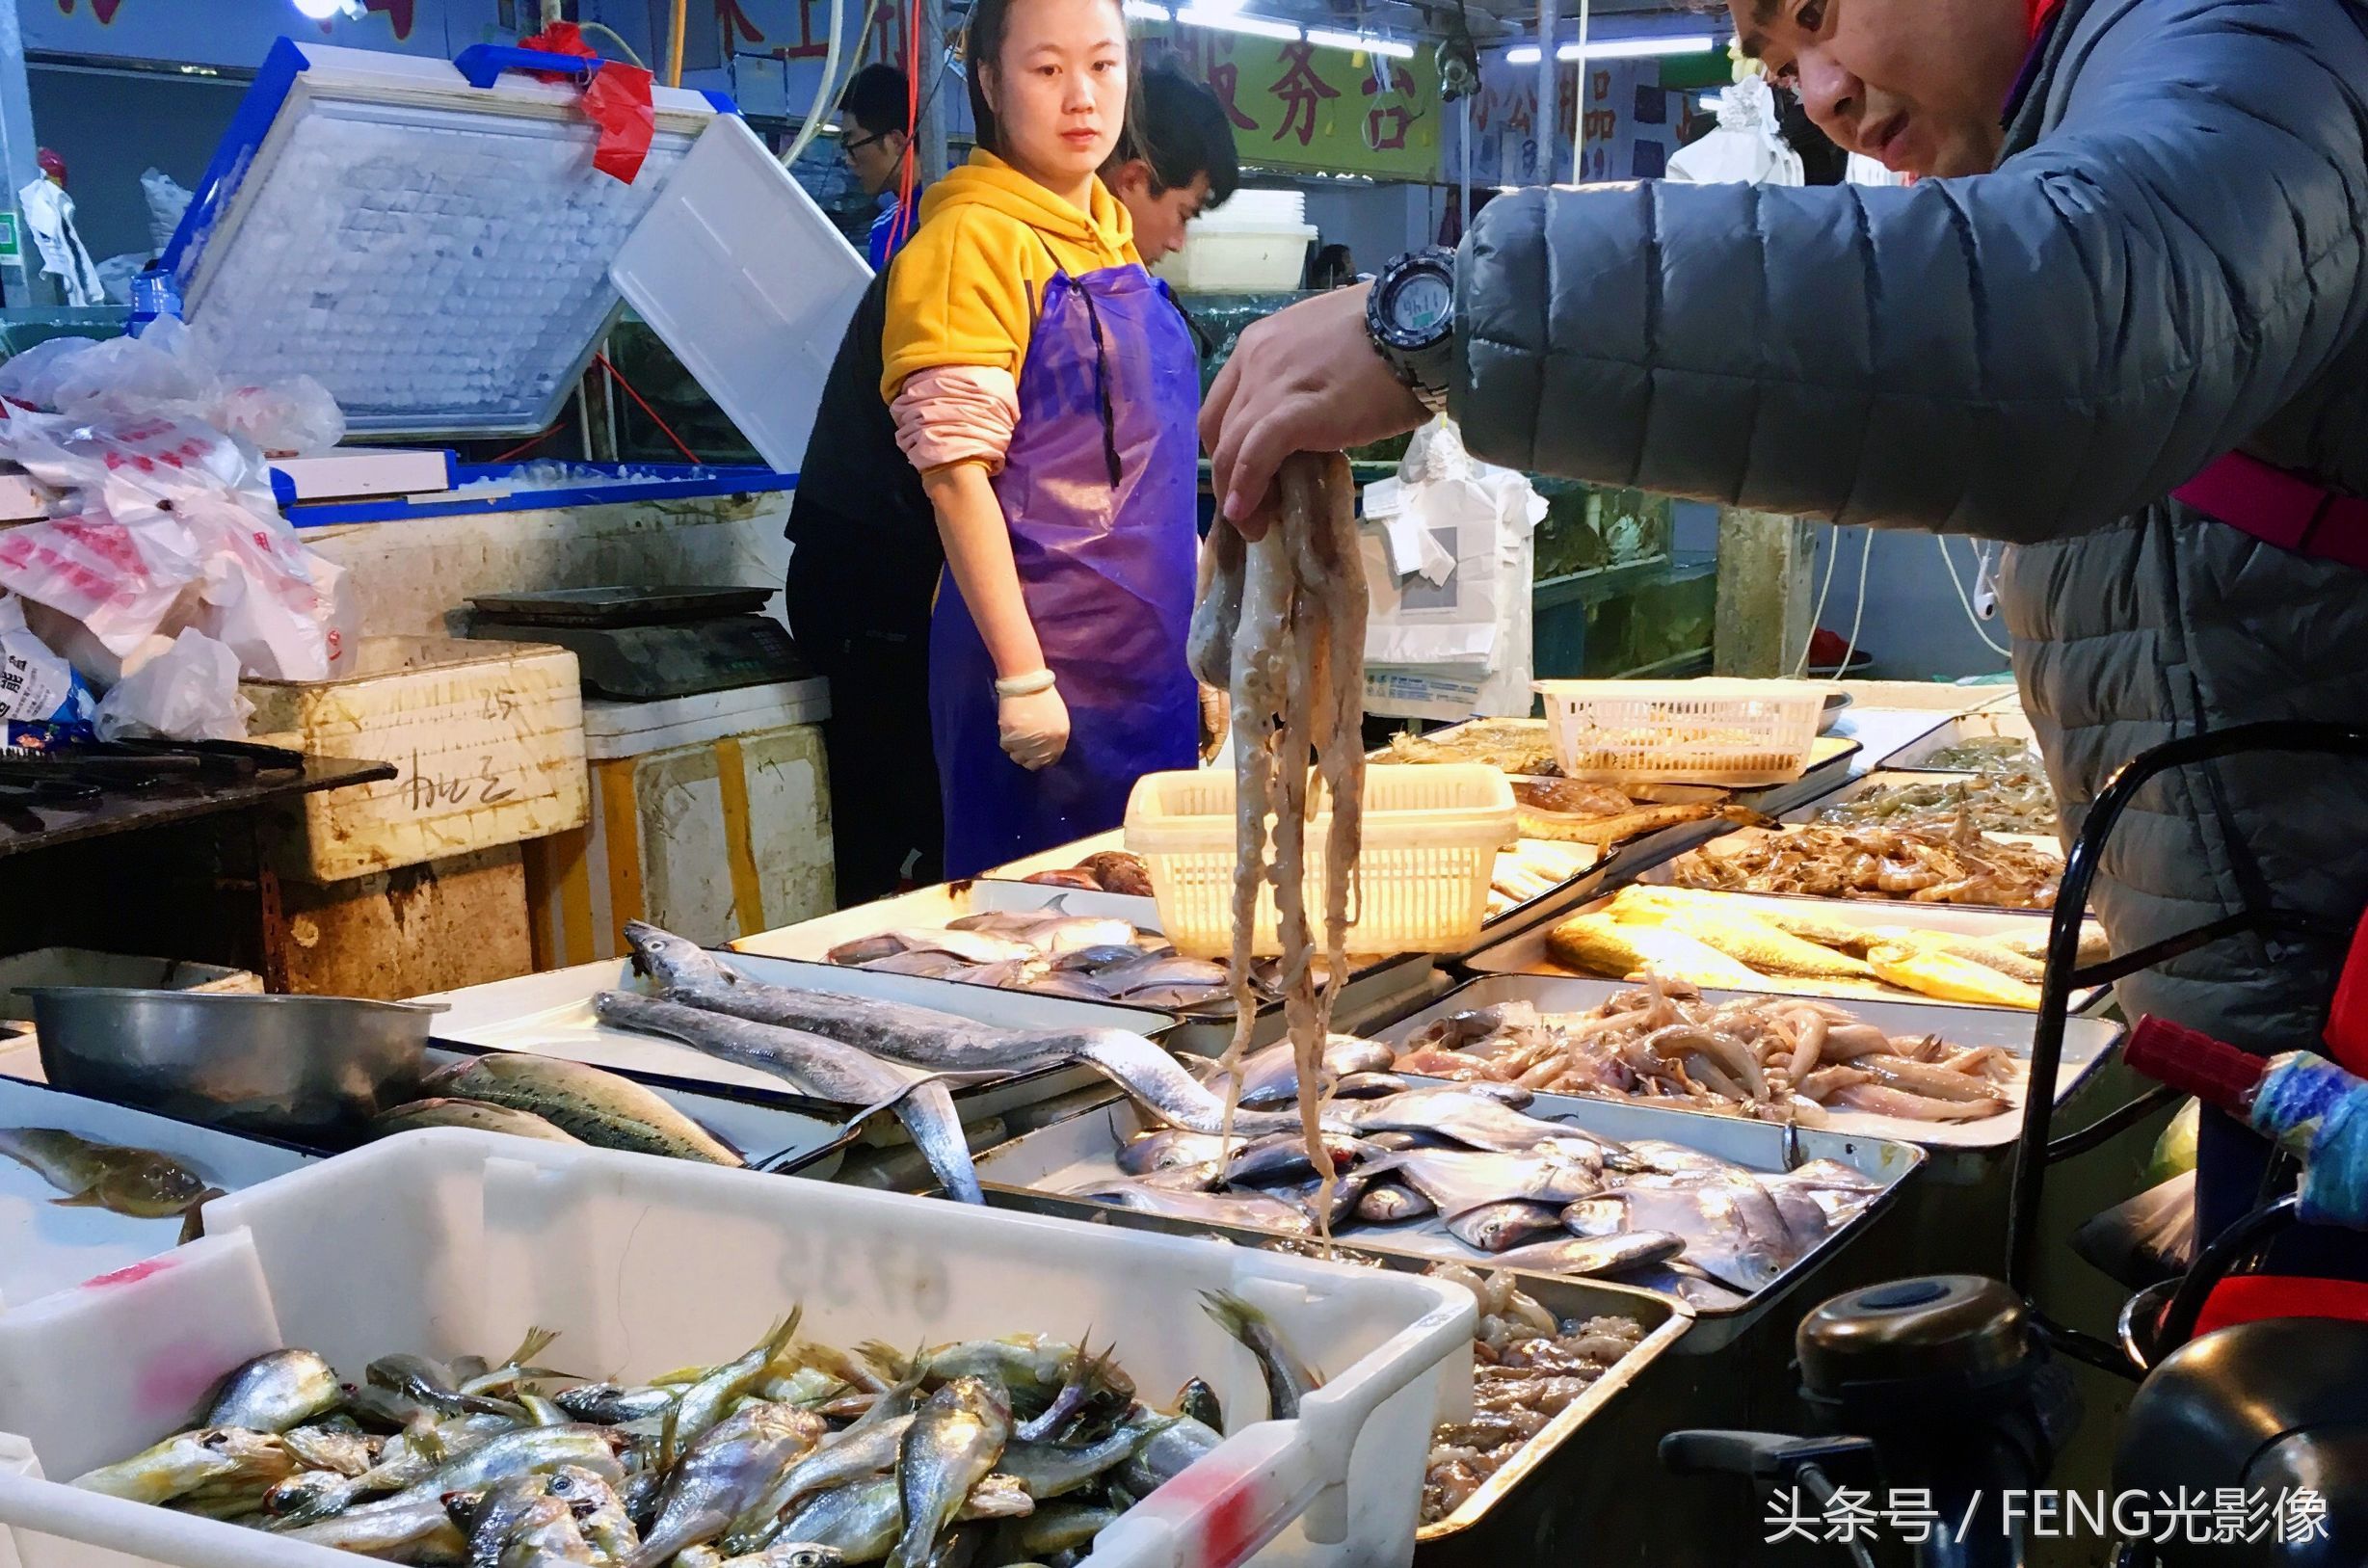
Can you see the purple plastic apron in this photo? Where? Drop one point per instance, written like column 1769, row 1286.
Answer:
column 1099, row 488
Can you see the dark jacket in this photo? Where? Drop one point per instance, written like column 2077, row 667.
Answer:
column 2165, row 264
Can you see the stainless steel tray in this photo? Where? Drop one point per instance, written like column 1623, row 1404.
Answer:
column 550, row 1014
column 1893, row 777
column 1526, row 954
column 2087, row 1043
column 1083, row 1149
column 1536, row 1468
column 1373, row 989
column 1977, row 725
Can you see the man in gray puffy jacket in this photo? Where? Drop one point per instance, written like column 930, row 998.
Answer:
column 2138, row 247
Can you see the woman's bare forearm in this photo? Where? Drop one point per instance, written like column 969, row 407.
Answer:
column 978, row 553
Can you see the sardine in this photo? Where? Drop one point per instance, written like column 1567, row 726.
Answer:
column 478, row 1115
column 819, row 1066
column 138, row 1183
column 225, row 1464
column 1051, row 1470
column 599, row 1107
column 852, row 1458
column 1499, row 1227
column 1389, row 1203
column 950, row 1447
column 275, row 1392
column 1584, row 1257
column 722, row 1474
column 1289, row 1380
column 711, row 1398
column 606, row 1404
column 1207, row 1208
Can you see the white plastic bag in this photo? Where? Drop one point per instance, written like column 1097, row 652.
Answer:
column 1747, row 148
column 166, row 199
column 163, row 373
column 289, row 418
column 36, row 685
column 188, row 692
column 1448, row 549
column 274, row 601
column 119, row 581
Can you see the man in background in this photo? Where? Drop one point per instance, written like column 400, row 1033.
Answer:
column 867, row 557
column 875, row 127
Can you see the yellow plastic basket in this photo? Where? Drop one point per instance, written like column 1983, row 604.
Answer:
column 1431, row 836
column 1736, row 732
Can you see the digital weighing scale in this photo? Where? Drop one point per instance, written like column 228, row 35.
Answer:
column 641, row 644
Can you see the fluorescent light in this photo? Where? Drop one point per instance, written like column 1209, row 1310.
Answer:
column 1361, row 42
column 1527, row 54
column 1257, row 27
column 1143, row 10
column 1634, row 48
column 1708, row 103
column 321, row 11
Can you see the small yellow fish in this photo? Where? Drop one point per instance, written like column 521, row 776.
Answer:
column 1598, row 944
column 1949, row 978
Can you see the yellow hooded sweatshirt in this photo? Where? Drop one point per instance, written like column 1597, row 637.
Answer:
column 965, row 288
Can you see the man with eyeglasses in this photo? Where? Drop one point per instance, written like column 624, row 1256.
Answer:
column 874, row 128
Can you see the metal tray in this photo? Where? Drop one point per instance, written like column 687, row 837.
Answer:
column 46, row 1246
column 1372, row 991
column 1665, row 875
column 1526, row 954
column 1892, row 778
column 1975, row 725
column 550, row 1014
column 1084, row 1149
column 2087, row 1043
column 619, row 606
column 1559, row 1449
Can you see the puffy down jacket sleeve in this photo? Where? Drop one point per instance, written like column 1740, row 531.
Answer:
column 2021, row 354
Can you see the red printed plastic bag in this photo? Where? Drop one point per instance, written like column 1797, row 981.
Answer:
column 121, row 581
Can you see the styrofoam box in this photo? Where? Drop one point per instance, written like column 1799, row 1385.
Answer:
column 1239, row 258
column 443, row 1242
column 487, row 739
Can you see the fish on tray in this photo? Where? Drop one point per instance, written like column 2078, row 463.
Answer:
column 793, row 1454
column 137, row 1183
column 1777, row 1058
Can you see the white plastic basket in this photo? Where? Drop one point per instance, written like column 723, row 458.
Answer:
column 1737, row 732
column 1431, row 836
column 445, row 1242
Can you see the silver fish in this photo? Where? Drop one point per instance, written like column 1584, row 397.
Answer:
column 1469, row 1119
column 1090, row 959
column 404, row 1521
column 722, row 1474
column 1499, row 1227
column 950, row 1447
column 1153, row 1080
column 898, row 1031
column 1206, row 1208
column 819, row 1066
column 517, row 1512
column 1283, row 1156
column 1063, row 1526
column 786, row 1554
column 1389, row 1203
column 1720, row 1238
column 862, row 1521
column 1370, row 1087
column 1289, row 1380
column 1167, row 1147
column 1457, row 1180
column 1582, row 1256
column 1688, row 1284
column 1165, row 1456
column 227, row 1465
column 1271, row 1076
column 712, row 1396
column 275, row 1392
column 930, row 966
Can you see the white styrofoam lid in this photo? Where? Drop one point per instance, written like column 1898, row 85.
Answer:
column 435, row 253
column 742, row 276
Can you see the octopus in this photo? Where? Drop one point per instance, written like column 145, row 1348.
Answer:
column 1280, row 628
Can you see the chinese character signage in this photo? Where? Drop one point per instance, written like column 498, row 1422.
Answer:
column 1630, row 129
column 1302, row 106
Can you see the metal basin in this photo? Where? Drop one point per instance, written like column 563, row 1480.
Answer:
column 305, row 1067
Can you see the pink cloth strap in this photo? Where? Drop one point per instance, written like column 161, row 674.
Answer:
column 2281, row 509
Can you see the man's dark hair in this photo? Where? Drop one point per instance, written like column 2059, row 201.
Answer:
column 878, row 99
column 1180, row 129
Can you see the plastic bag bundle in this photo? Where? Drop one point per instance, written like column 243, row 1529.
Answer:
column 187, row 692
column 163, row 372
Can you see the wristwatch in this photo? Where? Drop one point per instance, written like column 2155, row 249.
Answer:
column 1410, row 315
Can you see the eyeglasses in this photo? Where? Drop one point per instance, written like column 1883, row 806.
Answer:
column 850, row 147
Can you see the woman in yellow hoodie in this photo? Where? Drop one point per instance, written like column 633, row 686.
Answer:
column 1047, row 389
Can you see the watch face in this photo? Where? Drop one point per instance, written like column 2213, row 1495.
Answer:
column 1422, row 302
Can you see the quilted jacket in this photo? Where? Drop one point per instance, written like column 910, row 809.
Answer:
column 2165, row 264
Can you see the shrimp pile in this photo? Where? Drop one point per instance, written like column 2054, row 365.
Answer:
column 1280, row 625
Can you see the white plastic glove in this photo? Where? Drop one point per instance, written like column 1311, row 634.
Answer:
column 1035, row 727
